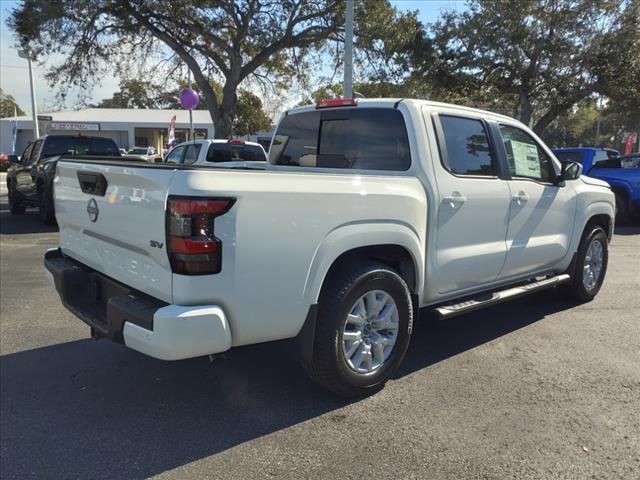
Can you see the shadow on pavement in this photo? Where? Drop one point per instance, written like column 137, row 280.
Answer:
column 21, row 224
column 627, row 229
column 88, row 409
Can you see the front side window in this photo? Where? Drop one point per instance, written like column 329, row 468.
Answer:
column 175, row 156
column 25, row 157
column 191, row 153
column 34, row 152
column 467, row 147
column 366, row 138
column 525, row 156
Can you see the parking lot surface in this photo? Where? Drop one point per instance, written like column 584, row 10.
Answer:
column 537, row 388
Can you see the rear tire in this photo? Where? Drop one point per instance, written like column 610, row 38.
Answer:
column 15, row 207
column 365, row 319
column 622, row 208
column 590, row 266
column 45, row 207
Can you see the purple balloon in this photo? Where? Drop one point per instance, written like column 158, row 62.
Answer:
column 189, row 98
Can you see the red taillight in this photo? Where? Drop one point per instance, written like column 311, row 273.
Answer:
column 337, row 102
column 236, row 142
column 191, row 244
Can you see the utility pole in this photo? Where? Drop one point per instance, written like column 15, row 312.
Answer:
column 26, row 53
column 348, row 51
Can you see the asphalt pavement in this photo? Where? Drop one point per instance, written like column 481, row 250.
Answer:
column 537, row 388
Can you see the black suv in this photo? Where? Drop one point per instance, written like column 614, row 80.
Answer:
column 30, row 177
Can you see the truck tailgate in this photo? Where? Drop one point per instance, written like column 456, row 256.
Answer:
column 112, row 218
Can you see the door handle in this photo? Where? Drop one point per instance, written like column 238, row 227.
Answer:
column 92, row 183
column 456, row 198
column 521, row 198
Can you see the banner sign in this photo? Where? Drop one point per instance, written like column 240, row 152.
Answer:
column 171, row 141
column 628, row 145
column 93, row 127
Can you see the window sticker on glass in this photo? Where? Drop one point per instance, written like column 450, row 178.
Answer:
column 526, row 159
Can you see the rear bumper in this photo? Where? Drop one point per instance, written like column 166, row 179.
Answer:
column 143, row 323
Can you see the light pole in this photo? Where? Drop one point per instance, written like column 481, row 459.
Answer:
column 26, row 53
column 348, row 51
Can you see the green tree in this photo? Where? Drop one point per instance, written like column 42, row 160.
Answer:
column 537, row 58
column 227, row 39
column 249, row 115
column 8, row 106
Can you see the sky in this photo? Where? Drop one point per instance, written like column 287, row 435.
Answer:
column 14, row 73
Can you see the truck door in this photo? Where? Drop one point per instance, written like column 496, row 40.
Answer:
column 25, row 174
column 542, row 210
column 473, row 209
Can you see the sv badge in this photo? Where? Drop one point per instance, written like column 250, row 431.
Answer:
column 156, row 244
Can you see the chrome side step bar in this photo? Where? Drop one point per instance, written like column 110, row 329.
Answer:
column 447, row 311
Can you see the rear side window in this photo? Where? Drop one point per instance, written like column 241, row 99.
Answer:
column 467, row 146
column 606, row 159
column 233, row 152
column 570, row 157
column 366, row 138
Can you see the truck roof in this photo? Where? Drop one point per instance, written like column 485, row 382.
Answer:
column 392, row 102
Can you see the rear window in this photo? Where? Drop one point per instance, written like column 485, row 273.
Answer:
column 366, row 138
column 233, row 152
column 570, row 157
column 79, row 146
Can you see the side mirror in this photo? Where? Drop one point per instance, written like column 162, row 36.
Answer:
column 570, row 170
column 13, row 159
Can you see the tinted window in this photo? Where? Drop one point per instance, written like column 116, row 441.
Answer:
column 55, row 145
column 24, row 158
column 526, row 158
column 606, row 159
column 34, row 152
column 570, row 157
column 191, row 154
column 175, row 156
column 467, row 146
column 367, row 138
column 231, row 152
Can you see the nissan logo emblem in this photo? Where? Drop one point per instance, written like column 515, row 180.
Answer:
column 92, row 210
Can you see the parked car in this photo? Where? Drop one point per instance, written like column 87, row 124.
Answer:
column 606, row 164
column 147, row 154
column 219, row 153
column 30, row 176
column 367, row 212
column 4, row 161
column 630, row 161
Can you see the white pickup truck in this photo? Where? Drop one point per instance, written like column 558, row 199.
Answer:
column 367, row 212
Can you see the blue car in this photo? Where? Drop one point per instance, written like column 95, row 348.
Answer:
column 605, row 164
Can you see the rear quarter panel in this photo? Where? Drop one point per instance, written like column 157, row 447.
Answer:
column 284, row 232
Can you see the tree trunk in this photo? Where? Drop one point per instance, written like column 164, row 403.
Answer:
column 526, row 109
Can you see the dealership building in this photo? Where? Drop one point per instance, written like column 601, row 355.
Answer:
column 128, row 127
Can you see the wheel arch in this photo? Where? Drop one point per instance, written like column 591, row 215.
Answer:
column 394, row 244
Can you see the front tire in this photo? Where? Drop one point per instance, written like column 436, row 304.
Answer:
column 15, row 207
column 590, row 266
column 364, row 325
column 622, row 208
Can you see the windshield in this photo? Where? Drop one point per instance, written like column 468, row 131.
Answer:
column 230, row 152
column 79, row 146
